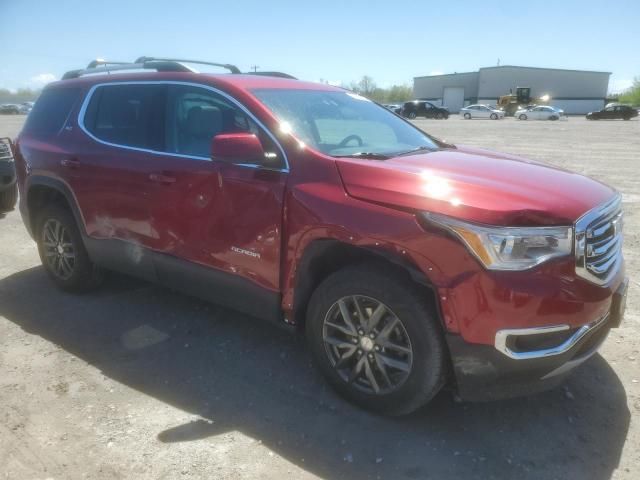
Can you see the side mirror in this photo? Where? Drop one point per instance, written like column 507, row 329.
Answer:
column 237, row 148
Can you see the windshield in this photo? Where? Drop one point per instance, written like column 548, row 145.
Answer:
column 343, row 123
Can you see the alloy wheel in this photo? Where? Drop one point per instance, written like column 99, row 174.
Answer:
column 367, row 344
column 59, row 251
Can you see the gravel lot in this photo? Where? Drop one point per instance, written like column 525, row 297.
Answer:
column 135, row 381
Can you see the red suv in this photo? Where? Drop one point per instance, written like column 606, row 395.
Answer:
column 409, row 263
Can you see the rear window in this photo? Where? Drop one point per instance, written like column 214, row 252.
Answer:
column 128, row 115
column 50, row 112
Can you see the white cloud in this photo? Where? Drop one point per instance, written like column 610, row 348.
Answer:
column 42, row 79
column 436, row 72
column 620, row 85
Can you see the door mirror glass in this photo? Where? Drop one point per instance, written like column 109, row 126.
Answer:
column 237, row 148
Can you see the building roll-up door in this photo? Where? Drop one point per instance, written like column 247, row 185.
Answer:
column 453, row 98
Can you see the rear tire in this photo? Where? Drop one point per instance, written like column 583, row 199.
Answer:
column 467, row 116
column 522, row 117
column 407, row 363
column 62, row 251
column 412, row 115
column 8, row 199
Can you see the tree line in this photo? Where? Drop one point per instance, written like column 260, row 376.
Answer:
column 367, row 87
column 632, row 94
column 18, row 96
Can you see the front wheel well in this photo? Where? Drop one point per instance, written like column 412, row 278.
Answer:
column 324, row 257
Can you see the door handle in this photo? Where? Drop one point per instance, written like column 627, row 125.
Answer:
column 161, row 178
column 70, row 162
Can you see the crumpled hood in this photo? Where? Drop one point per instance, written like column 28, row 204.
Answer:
column 475, row 185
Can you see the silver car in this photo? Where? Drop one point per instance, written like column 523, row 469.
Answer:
column 542, row 112
column 481, row 111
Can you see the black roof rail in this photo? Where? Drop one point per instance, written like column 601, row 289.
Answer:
column 159, row 64
column 272, row 74
column 228, row 66
column 102, row 62
column 104, row 66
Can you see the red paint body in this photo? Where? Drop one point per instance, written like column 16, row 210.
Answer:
column 199, row 210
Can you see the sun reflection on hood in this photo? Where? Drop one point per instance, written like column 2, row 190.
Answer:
column 438, row 187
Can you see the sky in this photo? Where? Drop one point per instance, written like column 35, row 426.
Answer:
column 337, row 41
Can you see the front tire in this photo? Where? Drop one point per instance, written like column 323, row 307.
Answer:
column 62, row 251
column 376, row 339
column 8, row 199
column 494, row 116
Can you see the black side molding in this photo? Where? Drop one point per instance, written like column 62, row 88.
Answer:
column 218, row 287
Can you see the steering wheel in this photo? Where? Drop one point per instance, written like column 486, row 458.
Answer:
column 346, row 140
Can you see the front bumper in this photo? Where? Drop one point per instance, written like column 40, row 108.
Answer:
column 484, row 372
column 7, row 175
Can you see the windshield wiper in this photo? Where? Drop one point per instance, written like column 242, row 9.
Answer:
column 415, row 150
column 370, row 155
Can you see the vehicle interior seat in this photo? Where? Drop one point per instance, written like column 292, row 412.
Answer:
column 201, row 125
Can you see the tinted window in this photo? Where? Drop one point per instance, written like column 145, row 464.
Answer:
column 51, row 112
column 196, row 115
column 128, row 115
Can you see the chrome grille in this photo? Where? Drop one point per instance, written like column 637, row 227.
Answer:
column 5, row 151
column 598, row 242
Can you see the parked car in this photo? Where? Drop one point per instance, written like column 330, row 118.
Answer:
column 481, row 111
column 541, row 112
column 624, row 112
column 394, row 107
column 409, row 263
column 9, row 109
column 8, row 186
column 25, row 108
column 422, row 108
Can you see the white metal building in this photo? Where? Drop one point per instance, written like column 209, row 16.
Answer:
column 574, row 91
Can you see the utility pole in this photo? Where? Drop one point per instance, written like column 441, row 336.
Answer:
column 255, row 67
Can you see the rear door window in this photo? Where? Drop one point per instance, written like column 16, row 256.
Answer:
column 128, row 115
column 50, row 112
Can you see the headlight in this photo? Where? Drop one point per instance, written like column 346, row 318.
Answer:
column 508, row 248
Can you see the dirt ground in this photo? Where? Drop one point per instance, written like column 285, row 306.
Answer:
column 137, row 382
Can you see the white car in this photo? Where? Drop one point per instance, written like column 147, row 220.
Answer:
column 540, row 113
column 481, row 111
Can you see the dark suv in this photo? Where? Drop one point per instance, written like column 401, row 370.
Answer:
column 408, row 262
column 8, row 186
column 422, row 108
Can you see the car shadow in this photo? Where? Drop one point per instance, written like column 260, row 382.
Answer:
column 241, row 374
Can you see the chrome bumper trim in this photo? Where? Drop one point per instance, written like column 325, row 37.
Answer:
column 502, row 337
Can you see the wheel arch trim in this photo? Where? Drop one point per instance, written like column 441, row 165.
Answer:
column 62, row 187
column 304, row 281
